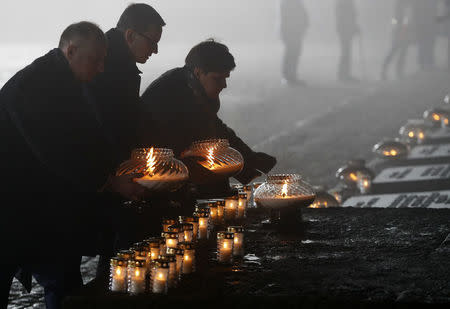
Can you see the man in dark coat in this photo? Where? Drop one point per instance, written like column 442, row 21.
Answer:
column 116, row 90
column 294, row 22
column 347, row 28
column 54, row 160
column 182, row 107
column 116, row 95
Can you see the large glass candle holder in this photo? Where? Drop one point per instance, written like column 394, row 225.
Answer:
column 188, row 257
column 255, row 186
column 242, row 205
column 172, row 261
column 118, row 275
column 231, row 208
column 179, row 256
column 284, row 195
column 171, row 239
column 324, row 200
column 162, row 172
column 203, row 223
column 414, row 131
column 188, row 231
column 217, row 156
column 238, row 241
column 225, row 244
column 435, row 116
column 159, row 278
column 166, row 223
column 192, row 220
column 351, row 173
column 391, row 149
column 136, row 271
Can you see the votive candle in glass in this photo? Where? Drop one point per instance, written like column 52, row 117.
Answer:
column 179, row 255
column 136, row 276
column 203, row 224
column 225, row 242
column 172, row 261
column 231, row 208
column 238, row 241
column 125, row 254
column 177, row 228
column 140, row 252
column 188, row 230
column 192, row 220
column 188, row 257
column 118, row 275
column 166, row 223
column 242, row 205
column 154, row 247
column 171, row 239
column 159, row 278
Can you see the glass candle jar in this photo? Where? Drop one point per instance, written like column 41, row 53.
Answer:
column 179, row 256
column 364, row 183
column 413, row 132
column 166, row 223
column 324, row 199
column 125, row 254
column 203, row 224
column 188, row 230
column 213, row 213
column 218, row 156
column 391, row 149
column 255, row 186
column 248, row 189
column 162, row 172
column 159, row 277
column 192, row 220
column 154, row 247
column 238, row 241
column 177, row 228
column 136, row 277
column 171, row 239
column 435, row 115
column 350, row 173
column 188, row 257
column 172, row 261
column 225, row 243
column 220, row 210
column 141, row 253
column 242, row 205
column 231, row 208
column 118, row 275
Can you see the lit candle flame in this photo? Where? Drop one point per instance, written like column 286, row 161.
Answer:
column 118, row 271
column 137, row 273
column 365, row 183
column 353, row 177
column 210, row 157
column 284, row 190
column 411, row 134
column 436, row 117
column 151, row 162
column 421, row 135
column 225, row 245
column 186, row 257
column 160, row 276
column 393, row 152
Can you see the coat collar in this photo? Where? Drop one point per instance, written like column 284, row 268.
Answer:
column 118, row 51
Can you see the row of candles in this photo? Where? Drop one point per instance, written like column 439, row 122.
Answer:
column 158, row 263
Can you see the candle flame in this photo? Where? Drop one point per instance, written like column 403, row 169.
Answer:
column 201, row 222
column 284, row 190
column 365, row 183
column 446, row 121
column 160, row 276
column 236, row 240
column 186, row 257
column 118, row 271
column 411, row 134
column 436, row 117
column 225, row 245
column 153, row 254
column 210, row 157
column 393, row 152
column 421, row 135
column 137, row 273
column 353, row 177
column 151, row 162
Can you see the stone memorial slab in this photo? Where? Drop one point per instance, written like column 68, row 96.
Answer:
column 433, row 199
column 430, row 177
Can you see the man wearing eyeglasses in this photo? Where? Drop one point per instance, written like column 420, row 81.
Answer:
column 116, row 90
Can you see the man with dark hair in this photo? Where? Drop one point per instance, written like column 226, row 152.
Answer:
column 54, row 160
column 116, row 90
column 182, row 105
column 116, row 93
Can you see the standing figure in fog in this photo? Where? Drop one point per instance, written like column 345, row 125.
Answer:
column 347, row 28
column 402, row 38
column 293, row 24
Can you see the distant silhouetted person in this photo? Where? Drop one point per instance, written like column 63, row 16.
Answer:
column 402, row 38
column 294, row 22
column 347, row 28
column 425, row 28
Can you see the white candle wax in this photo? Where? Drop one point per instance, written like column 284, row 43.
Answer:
column 188, row 262
column 202, row 228
column 225, row 251
column 137, row 282
column 231, row 206
column 160, row 281
column 238, row 246
column 119, row 280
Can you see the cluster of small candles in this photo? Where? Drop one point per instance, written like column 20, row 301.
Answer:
column 157, row 264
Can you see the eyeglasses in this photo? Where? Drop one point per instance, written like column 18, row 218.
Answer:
column 149, row 39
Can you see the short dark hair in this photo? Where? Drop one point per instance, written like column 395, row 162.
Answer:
column 210, row 56
column 138, row 17
column 82, row 30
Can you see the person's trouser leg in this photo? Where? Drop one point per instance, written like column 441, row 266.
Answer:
column 7, row 272
column 58, row 278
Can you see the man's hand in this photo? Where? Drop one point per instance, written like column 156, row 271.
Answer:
column 262, row 161
column 199, row 174
column 127, row 187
